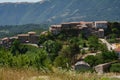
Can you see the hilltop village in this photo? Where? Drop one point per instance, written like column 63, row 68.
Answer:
column 96, row 28
column 88, row 28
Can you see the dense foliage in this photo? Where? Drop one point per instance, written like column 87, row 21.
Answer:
column 36, row 58
column 115, row 67
column 113, row 32
column 101, row 58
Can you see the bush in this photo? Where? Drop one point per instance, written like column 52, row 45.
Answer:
column 61, row 61
column 115, row 67
column 90, row 60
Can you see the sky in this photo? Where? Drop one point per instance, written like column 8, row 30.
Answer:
column 1, row 1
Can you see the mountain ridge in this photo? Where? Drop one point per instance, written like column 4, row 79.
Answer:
column 56, row 11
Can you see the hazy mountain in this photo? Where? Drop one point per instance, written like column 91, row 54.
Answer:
column 57, row 11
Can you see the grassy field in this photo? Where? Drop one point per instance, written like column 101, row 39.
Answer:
column 29, row 74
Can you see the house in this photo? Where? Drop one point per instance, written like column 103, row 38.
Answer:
column 55, row 29
column 31, row 37
column 7, row 42
column 101, row 24
column 23, row 38
column 81, row 65
column 89, row 24
column 101, row 33
column 117, row 50
column 101, row 68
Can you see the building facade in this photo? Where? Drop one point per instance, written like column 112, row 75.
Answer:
column 88, row 28
column 101, row 24
column 31, row 37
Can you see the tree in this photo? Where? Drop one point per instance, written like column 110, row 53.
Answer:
column 70, row 52
column 93, row 43
column 109, row 56
column 45, row 37
column 18, row 48
column 61, row 61
column 42, row 60
column 101, row 58
column 102, row 47
column 52, row 47
column 15, row 47
column 42, row 39
column 90, row 60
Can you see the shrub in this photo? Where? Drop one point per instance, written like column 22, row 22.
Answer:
column 115, row 67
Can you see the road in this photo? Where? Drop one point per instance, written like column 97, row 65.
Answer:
column 109, row 46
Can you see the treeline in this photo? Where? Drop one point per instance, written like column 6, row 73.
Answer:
column 13, row 30
column 33, row 58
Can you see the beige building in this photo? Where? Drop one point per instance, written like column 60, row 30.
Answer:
column 88, row 28
column 55, row 29
column 7, row 42
column 101, row 33
column 31, row 37
column 101, row 24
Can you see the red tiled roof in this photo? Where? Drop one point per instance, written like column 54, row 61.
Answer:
column 117, row 49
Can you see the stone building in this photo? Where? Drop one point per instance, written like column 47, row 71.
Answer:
column 103, row 68
column 23, row 38
column 88, row 28
column 31, row 37
column 101, row 33
column 7, row 42
column 55, row 29
column 100, row 69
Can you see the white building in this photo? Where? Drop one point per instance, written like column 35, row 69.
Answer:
column 101, row 24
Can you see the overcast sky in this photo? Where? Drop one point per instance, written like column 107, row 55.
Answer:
column 19, row 1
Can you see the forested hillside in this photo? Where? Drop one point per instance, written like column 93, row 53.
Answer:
column 13, row 30
column 57, row 11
